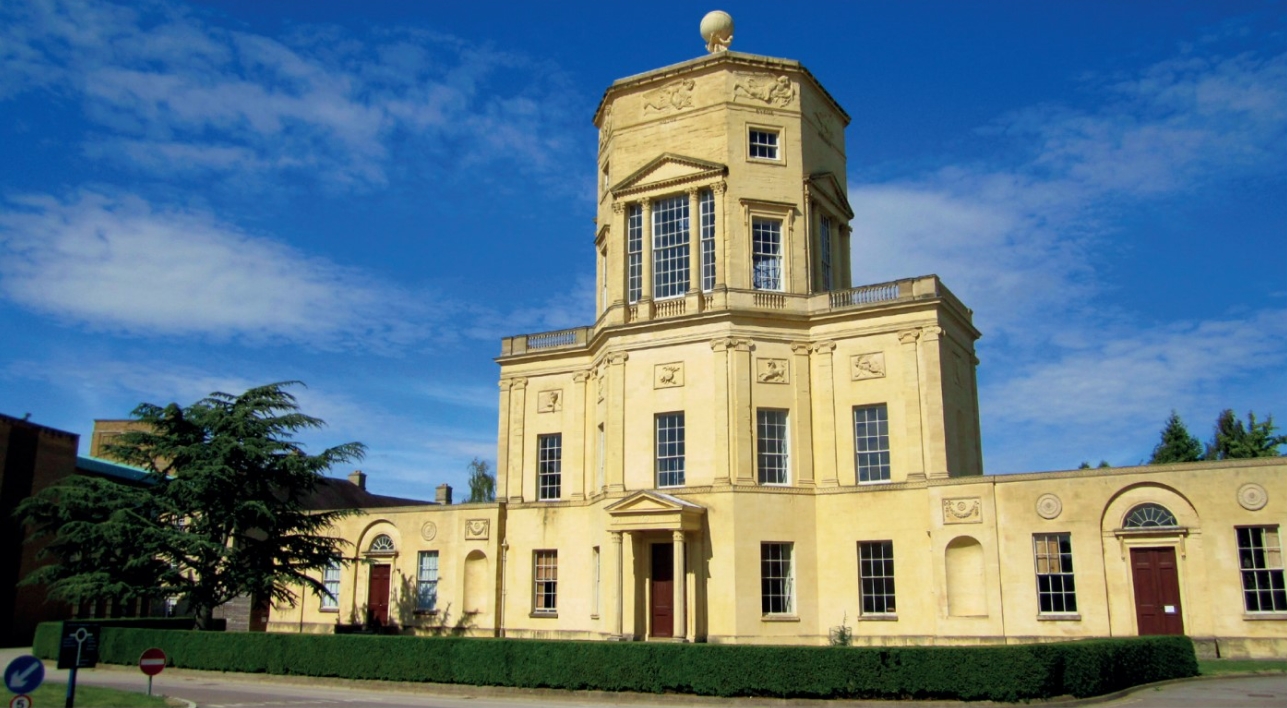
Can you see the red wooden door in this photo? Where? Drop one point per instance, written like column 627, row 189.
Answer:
column 1157, row 591
column 377, row 603
column 663, row 590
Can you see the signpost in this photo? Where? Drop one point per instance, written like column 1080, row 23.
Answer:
column 152, row 662
column 24, row 674
column 77, row 649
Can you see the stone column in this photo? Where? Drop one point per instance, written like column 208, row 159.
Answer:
column 616, row 432
column 645, row 292
column 694, row 296
column 518, row 409
column 913, row 448
column 741, row 418
column 681, row 591
column 618, row 605
column 502, row 439
column 723, row 453
column 802, row 418
column 933, row 416
column 826, row 446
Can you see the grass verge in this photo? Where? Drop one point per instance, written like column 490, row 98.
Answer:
column 1215, row 667
column 55, row 694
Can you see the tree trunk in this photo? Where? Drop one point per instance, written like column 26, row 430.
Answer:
column 204, row 618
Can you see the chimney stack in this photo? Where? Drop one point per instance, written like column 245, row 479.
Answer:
column 444, row 494
column 358, row 477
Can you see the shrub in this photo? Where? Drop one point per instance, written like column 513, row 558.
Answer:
column 998, row 673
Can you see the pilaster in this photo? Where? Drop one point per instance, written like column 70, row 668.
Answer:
column 933, row 415
column 518, row 411
column 694, row 295
column 616, row 458
column 802, row 417
column 741, row 417
column 502, row 442
column 617, row 288
column 722, row 405
column 646, row 310
column 579, row 438
column 825, row 445
column 913, row 423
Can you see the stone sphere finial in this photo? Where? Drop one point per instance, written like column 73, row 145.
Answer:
column 717, row 30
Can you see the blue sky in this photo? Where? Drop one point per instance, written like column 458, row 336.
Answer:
column 367, row 196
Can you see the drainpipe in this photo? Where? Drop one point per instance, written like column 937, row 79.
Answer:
column 500, row 610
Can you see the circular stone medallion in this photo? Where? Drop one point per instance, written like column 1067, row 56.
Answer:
column 428, row 531
column 1049, row 506
column 1252, row 496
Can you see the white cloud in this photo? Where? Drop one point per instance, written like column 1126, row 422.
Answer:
column 168, row 84
column 120, row 264
column 1069, row 372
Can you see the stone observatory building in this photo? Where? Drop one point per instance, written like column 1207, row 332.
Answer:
column 746, row 447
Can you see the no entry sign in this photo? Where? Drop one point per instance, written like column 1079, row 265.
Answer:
column 152, row 662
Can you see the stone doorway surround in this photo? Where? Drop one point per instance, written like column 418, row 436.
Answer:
column 649, row 512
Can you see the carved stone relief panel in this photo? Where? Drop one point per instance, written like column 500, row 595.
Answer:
column 668, row 375
column 674, row 96
column 428, row 531
column 867, row 366
column 764, row 88
column 478, row 529
column 966, row 510
column 1049, row 506
column 549, row 401
column 772, row 371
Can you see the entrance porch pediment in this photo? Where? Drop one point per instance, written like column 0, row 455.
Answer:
column 648, row 510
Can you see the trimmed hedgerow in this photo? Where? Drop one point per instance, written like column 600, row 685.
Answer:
column 998, row 673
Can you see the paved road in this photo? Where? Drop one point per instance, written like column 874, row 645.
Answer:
column 218, row 690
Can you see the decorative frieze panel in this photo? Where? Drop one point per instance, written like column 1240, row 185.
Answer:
column 764, row 88
column 549, row 401
column 966, row 510
column 867, row 366
column 478, row 529
column 674, row 96
column 668, row 375
column 775, row 371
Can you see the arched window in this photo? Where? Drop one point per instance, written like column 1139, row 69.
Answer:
column 1147, row 516
column 381, row 544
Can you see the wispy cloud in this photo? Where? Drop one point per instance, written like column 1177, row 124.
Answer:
column 119, row 264
column 1021, row 241
column 176, row 93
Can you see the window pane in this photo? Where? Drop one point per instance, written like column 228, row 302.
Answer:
column 776, row 581
column 706, row 203
column 1260, row 556
column 824, row 251
column 1056, row 590
column 670, row 450
column 764, row 144
column 766, row 254
column 670, row 233
column 427, row 581
column 634, row 252
column 546, row 574
column 549, row 466
column 771, row 446
column 876, row 576
column 871, row 443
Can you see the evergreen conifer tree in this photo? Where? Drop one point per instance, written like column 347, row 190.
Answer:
column 1177, row 444
column 1234, row 441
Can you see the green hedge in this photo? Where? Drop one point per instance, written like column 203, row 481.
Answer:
column 1000, row 673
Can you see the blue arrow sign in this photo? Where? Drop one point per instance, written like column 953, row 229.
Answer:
column 24, row 674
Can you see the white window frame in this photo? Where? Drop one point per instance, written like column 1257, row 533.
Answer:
column 331, row 583
column 772, row 447
column 762, row 254
column 1260, row 563
column 545, row 587
column 706, row 223
column 1057, row 595
column 671, row 246
column 594, row 598
column 427, row 581
column 756, row 140
column 864, row 466
column 669, row 452
column 634, row 252
column 825, row 252
column 777, row 566
column 549, row 467
column 876, row 589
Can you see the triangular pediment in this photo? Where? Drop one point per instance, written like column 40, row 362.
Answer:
column 826, row 185
column 666, row 171
column 648, row 502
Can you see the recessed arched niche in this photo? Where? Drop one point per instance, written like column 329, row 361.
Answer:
column 477, row 586
column 965, row 578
